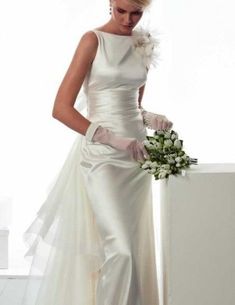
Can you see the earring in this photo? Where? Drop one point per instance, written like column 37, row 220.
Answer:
column 110, row 10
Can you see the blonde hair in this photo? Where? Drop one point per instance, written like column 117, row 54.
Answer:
column 141, row 3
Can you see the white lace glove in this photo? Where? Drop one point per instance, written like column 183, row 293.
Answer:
column 155, row 121
column 97, row 133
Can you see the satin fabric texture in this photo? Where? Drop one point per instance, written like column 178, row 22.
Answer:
column 92, row 241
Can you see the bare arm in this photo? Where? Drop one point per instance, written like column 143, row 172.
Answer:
column 63, row 109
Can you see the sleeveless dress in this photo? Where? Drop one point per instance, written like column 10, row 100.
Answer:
column 92, row 242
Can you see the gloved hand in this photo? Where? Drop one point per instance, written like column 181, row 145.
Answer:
column 155, row 121
column 97, row 133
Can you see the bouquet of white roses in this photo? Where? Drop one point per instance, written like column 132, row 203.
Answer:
column 166, row 155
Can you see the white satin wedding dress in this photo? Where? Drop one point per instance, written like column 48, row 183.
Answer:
column 92, row 242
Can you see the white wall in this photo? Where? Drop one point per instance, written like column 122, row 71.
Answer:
column 193, row 86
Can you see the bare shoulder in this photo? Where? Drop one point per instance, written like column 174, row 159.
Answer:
column 86, row 49
column 89, row 38
column 88, row 44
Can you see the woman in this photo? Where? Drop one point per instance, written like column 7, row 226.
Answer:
column 93, row 240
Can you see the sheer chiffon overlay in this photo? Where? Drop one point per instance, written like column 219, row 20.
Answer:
column 92, row 240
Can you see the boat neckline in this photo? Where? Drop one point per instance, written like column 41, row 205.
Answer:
column 114, row 34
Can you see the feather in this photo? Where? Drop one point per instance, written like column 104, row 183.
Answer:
column 147, row 44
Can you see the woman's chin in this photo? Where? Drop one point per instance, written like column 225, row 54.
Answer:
column 126, row 29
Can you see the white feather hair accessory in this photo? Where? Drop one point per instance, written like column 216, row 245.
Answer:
column 147, row 43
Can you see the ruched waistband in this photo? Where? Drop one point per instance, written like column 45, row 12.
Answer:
column 112, row 103
column 117, row 110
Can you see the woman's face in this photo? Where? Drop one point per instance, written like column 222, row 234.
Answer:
column 125, row 15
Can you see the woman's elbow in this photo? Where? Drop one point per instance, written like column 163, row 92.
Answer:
column 55, row 111
column 60, row 110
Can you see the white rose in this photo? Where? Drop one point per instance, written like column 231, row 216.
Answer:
column 171, row 161
column 185, row 157
column 177, row 143
column 148, row 144
column 158, row 145
column 174, row 136
column 178, row 159
column 154, row 164
column 168, row 143
column 162, row 174
column 167, row 135
column 166, row 166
